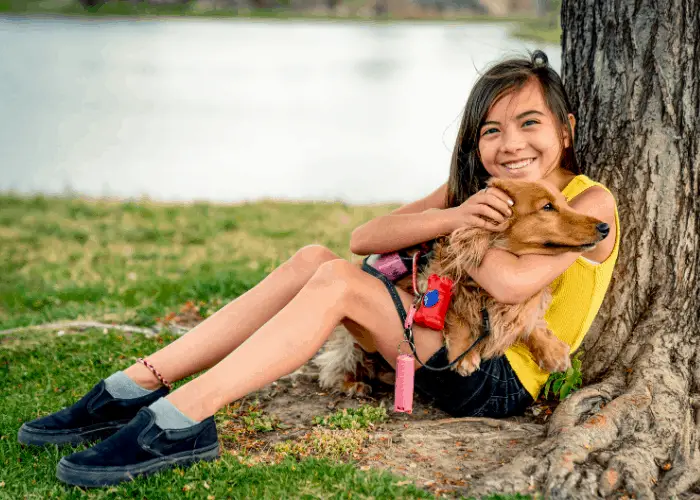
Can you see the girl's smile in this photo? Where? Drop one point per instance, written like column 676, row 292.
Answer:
column 516, row 165
column 520, row 137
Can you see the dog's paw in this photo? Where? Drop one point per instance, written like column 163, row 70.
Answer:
column 357, row 389
column 468, row 365
column 557, row 358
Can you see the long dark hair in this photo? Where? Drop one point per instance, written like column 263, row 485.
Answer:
column 467, row 173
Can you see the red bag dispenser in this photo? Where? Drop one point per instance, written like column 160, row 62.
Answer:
column 435, row 302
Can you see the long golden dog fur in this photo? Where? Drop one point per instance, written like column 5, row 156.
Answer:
column 542, row 223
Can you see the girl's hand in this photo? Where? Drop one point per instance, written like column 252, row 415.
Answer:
column 487, row 209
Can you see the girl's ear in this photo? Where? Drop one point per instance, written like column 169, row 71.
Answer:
column 569, row 134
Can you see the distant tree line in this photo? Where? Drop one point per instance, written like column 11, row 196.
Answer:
column 542, row 8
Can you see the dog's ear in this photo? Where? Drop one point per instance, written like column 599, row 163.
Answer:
column 504, row 185
column 466, row 249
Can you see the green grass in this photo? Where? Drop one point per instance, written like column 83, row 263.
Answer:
column 134, row 262
column 353, row 418
column 39, row 374
column 129, row 262
column 539, row 30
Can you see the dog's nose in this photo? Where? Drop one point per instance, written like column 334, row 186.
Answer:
column 603, row 228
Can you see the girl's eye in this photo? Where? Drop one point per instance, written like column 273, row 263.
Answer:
column 548, row 208
column 488, row 131
column 530, row 122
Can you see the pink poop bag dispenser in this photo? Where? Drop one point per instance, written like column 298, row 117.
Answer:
column 391, row 266
column 403, row 390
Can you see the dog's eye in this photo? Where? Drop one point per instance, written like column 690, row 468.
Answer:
column 548, row 207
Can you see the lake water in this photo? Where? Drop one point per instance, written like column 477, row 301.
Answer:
column 232, row 110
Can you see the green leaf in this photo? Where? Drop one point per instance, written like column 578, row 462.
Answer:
column 557, row 385
column 576, row 364
column 565, row 390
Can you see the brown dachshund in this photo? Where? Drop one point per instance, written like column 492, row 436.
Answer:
column 542, row 223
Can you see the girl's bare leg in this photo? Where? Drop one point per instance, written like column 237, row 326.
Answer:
column 221, row 333
column 338, row 290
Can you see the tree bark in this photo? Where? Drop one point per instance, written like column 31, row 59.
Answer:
column 632, row 71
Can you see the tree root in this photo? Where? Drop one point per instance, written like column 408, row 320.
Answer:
column 681, row 478
column 551, row 464
column 588, row 400
column 684, row 465
column 84, row 325
column 573, row 446
column 633, row 468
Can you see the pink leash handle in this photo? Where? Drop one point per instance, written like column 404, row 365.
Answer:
column 405, row 367
column 403, row 390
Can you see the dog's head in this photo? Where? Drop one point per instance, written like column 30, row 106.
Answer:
column 544, row 223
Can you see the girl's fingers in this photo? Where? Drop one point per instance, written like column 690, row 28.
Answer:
column 500, row 205
column 499, row 200
column 482, row 223
column 488, row 212
column 499, row 227
column 500, row 194
column 476, row 221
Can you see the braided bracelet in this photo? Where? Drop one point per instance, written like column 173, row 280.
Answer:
column 155, row 372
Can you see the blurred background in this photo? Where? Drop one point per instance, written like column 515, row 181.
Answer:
column 236, row 100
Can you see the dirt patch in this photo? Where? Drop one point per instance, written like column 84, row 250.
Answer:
column 430, row 448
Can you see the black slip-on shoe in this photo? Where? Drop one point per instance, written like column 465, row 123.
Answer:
column 139, row 448
column 95, row 416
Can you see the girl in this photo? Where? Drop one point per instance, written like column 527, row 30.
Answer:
column 517, row 124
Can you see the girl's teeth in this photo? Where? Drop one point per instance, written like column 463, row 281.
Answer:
column 518, row 164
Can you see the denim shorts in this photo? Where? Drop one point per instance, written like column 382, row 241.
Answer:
column 492, row 391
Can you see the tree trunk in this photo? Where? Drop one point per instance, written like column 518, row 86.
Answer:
column 632, row 70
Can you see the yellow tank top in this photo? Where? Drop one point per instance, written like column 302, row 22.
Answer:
column 576, row 297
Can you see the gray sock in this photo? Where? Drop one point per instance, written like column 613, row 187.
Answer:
column 169, row 417
column 120, row 386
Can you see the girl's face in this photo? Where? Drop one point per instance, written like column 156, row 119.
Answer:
column 520, row 138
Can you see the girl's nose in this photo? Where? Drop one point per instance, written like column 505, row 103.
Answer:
column 512, row 142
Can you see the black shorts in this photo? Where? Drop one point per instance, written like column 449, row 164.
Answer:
column 492, row 391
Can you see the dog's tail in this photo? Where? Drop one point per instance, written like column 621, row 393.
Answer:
column 339, row 357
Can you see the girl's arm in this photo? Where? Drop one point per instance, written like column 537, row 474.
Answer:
column 511, row 279
column 406, row 226
column 429, row 218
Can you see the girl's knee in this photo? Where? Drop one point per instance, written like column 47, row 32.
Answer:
column 312, row 256
column 335, row 274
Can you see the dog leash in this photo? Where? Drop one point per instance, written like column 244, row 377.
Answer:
column 407, row 318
